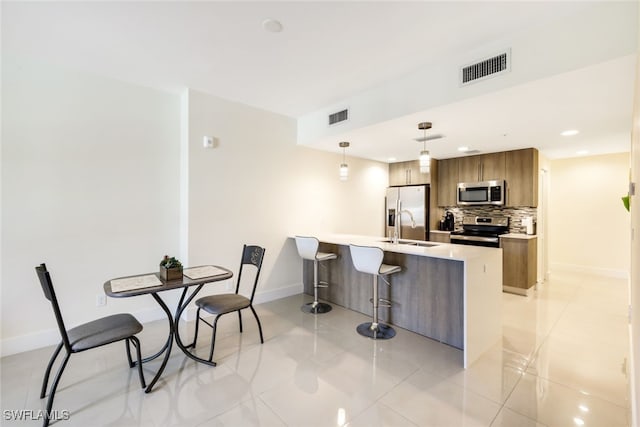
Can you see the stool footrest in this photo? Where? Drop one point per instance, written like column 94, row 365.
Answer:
column 382, row 302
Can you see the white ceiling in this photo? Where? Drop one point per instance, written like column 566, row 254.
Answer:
column 597, row 101
column 327, row 52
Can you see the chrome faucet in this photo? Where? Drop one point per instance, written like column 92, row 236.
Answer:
column 396, row 228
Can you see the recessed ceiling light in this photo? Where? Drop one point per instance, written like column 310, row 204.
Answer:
column 272, row 25
column 463, row 149
column 570, row 132
column 582, row 152
column 392, row 159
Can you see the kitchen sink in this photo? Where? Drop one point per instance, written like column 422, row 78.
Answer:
column 412, row 243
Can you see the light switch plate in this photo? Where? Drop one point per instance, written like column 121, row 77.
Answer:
column 101, row 300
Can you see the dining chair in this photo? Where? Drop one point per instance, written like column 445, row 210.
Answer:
column 86, row 336
column 221, row 304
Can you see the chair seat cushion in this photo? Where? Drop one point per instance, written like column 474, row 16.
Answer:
column 389, row 269
column 324, row 256
column 103, row 331
column 223, row 303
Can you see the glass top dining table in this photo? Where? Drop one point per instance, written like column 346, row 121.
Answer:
column 158, row 285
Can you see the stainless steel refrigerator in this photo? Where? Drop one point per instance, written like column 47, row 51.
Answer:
column 407, row 212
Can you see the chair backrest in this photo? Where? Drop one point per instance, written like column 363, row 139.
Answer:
column 251, row 255
column 366, row 259
column 50, row 294
column 307, row 247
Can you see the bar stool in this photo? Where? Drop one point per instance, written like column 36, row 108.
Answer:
column 308, row 249
column 368, row 259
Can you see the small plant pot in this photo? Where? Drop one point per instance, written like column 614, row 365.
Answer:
column 168, row 274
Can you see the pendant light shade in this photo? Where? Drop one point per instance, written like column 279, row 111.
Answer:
column 425, row 161
column 344, row 172
column 425, row 158
column 344, row 168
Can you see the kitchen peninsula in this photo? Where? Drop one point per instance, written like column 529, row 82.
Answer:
column 450, row 293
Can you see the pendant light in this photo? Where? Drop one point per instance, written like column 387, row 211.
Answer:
column 425, row 158
column 344, row 168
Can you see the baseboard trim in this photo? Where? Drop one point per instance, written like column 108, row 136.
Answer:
column 597, row 271
column 50, row 337
column 518, row 291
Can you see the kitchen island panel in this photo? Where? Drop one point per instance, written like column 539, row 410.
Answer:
column 427, row 295
column 451, row 293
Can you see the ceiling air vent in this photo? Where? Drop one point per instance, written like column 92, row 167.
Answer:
column 338, row 117
column 429, row 138
column 489, row 67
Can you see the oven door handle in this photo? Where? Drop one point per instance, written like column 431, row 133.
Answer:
column 475, row 238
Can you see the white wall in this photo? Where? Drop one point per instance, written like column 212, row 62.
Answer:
column 100, row 179
column 635, row 251
column 258, row 187
column 588, row 225
column 90, row 175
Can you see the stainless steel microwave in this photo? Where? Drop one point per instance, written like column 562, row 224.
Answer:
column 481, row 193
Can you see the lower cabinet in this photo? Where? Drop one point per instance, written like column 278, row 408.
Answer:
column 519, row 263
column 440, row 236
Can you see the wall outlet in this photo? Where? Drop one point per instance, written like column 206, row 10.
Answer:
column 101, row 299
column 229, row 285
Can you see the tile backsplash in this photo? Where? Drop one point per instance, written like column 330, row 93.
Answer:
column 515, row 215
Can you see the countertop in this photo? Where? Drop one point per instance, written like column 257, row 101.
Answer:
column 435, row 250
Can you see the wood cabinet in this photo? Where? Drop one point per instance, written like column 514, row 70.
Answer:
column 440, row 236
column 521, row 175
column 519, row 168
column 407, row 173
column 519, row 264
column 484, row 167
column 447, row 182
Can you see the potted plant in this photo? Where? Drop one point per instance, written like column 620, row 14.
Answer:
column 170, row 268
column 625, row 202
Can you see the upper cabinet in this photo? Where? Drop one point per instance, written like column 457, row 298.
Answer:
column 485, row 167
column 407, row 173
column 521, row 174
column 447, row 182
column 519, row 168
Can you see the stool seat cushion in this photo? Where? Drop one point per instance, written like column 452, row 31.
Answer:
column 103, row 331
column 388, row 269
column 324, row 256
column 223, row 303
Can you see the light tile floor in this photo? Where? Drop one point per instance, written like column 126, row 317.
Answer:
column 561, row 362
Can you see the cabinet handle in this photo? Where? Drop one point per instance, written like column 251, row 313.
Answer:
column 409, row 176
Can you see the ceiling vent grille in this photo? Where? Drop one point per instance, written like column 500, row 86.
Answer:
column 338, row 117
column 486, row 68
column 429, row 138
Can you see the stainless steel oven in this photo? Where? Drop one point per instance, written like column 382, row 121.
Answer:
column 481, row 231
